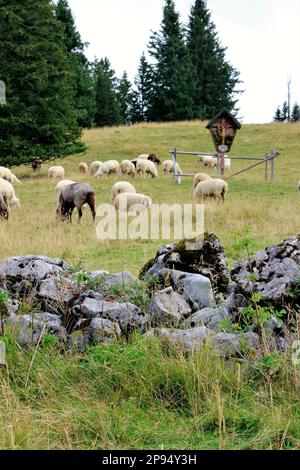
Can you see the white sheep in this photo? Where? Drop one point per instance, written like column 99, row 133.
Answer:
column 7, row 174
column 111, row 167
column 146, row 168
column 8, row 193
column 94, row 167
column 127, row 168
column 125, row 201
column 143, row 156
column 83, row 168
column 121, row 187
column 214, row 188
column 168, row 167
column 213, row 163
column 200, row 177
column 205, row 159
column 56, row 172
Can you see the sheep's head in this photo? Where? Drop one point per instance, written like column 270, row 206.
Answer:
column 4, row 214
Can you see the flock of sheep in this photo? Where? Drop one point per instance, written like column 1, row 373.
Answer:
column 71, row 195
column 123, row 195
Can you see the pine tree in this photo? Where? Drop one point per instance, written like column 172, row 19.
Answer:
column 277, row 115
column 284, row 112
column 296, row 113
column 39, row 120
column 216, row 79
column 124, row 96
column 82, row 74
column 108, row 111
column 173, row 77
column 141, row 98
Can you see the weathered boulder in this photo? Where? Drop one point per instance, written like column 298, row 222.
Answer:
column 271, row 273
column 29, row 328
column 195, row 288
column 127, row 315
column 229, row 344
column 203, row 255
column 168, row 308
column 28, row 271
column 190, row 340
column 209, row 317
column 103, row 331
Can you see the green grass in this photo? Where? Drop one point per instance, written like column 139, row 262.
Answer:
column 140, row 395
column 267, row 210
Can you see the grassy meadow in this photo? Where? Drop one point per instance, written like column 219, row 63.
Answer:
column 262, row 212
column 138, row 395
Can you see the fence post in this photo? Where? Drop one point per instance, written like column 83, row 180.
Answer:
column 174, row 165
column 266, row 168
column 218, row 164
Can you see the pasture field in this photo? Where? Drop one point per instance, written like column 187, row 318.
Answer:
column 137, row 395
column 263, row 213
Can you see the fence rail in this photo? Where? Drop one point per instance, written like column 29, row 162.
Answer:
column 259, row 161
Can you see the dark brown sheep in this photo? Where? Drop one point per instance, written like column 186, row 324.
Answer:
column 4, row 214
column 76, row 195
column 153, row 158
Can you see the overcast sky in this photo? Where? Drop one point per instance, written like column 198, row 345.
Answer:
column 262, row 39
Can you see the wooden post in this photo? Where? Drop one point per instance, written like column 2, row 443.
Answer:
column 266, row 168
column 174, row 165
column 272, row 168
column 2, row 354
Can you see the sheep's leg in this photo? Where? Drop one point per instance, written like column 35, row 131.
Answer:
column 79, row 213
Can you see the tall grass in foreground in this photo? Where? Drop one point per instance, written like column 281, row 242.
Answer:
column 141, row 395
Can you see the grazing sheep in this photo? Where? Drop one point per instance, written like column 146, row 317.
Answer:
column 120, row 187
column 200, row 177
column 8, row 193
column 94, row 167
column 168, row 167
column 6, row 174
column 205, row 159
column 76, row 195
column 56, row 172
column 149, row 156
column 214, row 188
column 83, row 168
column 111, row 167
column 213, row 163
column 125, row 201
column 127, row 168
column 58, row 189
column 153, row 158
column 143, row 156
column 146, row 168
column 134, row 162
column 4, row 214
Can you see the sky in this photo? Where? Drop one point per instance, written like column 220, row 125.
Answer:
column 262, row 38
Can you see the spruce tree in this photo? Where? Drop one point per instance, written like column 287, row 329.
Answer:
column 141, row 98
column 173, row 77
column 124, row 96
column 216, row 79
column 38, row 121
column 284, row 112
column 81, row 72
column 108, row 111
column 277, row 115
column 296, row 113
